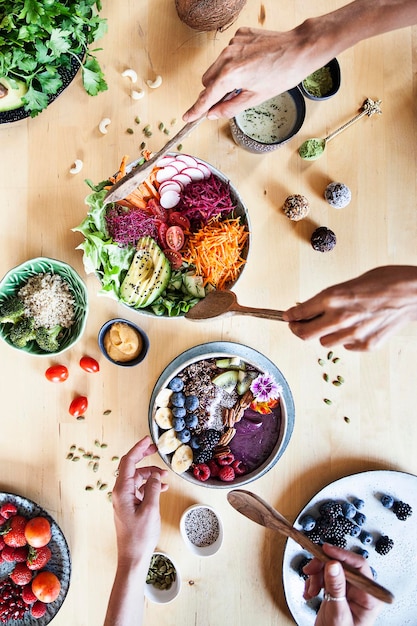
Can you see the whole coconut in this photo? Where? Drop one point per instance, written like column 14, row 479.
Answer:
column 208, row 15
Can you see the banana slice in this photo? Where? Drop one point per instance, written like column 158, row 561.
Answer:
column 182, row 459
column 168, row 442
column 163, row 417
column 163, row 397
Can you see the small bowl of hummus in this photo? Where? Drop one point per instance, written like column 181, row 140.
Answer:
column 122, row 342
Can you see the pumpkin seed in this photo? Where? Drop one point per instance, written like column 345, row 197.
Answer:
column 336, row 383
column 347, row 419
column 340, row 379
column 320, row 362
column 70, row 456
column 327, row 401
column 326, row 377
column 330, row 355
column 107, row 411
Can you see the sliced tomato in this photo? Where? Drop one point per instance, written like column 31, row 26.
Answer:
column 174, row 258
column 89, row 364
column 156, row 210
column 178, row 219
column 175, row 237
column 57, row 373
column 162, row 234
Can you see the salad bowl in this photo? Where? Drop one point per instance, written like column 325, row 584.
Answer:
column 183, row 233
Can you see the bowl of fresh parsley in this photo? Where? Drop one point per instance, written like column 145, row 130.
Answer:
column 43, row 45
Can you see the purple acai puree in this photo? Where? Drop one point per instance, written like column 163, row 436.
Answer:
column 256, row 436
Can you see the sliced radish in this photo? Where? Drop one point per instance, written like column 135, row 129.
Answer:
column 179, row 165
column 169, row 199
column 170, row 185
column 203, row 167
column 182, row 178
column 165, row 173
column 194, row 173
column 187, row 159
column 166, row 160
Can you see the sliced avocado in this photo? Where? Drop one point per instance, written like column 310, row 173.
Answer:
column 226, row 380
column 11, row 93
column 147, row 276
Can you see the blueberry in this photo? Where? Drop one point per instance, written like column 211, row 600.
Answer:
column 358, row 503
column 179, row 411
column 362, row 552
column 178, row 398
column 355, row 530
column 360, row 519
column 184, row 435
column 307, row 522
column 176, row 384
column 178, row 424
column 194, row 442
column 349, row 510
column 191, row 403
column 365, row 537
column 387, row 501
column 191, row 420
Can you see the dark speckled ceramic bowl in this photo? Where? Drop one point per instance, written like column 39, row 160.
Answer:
column 334, row 69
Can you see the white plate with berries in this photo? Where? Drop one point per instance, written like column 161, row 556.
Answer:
column 221, row 414
column 373, row 513
column 35, row 564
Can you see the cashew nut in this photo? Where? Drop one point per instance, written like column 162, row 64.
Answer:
column 137, row 94
column 103, row 125
column 153, row 84
column 77, row 167
column 130, row 74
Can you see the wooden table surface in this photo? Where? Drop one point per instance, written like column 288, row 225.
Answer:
column 42, row 201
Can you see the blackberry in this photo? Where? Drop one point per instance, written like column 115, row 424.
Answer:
column 304, row 561
column 344, row 524
column 331, row 509
column 324, row 526
column 314, row 536
column 384, row 544
column 402, row 510
column 202, row 456
column 209, row 439
column 387, row 501
column 340, row 542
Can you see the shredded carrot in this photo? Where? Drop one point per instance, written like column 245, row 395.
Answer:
column 138, row 199
column 216, row 251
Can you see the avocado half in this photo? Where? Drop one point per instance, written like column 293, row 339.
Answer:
column 11, row 93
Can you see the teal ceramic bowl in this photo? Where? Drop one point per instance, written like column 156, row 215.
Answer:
column 18, row 276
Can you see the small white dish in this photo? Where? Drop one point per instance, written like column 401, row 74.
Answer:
column 163, row 596
column 198, row 525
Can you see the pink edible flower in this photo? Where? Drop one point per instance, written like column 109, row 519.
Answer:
column 265, row 388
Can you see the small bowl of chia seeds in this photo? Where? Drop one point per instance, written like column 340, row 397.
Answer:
column 163, row 582
column 201, row 529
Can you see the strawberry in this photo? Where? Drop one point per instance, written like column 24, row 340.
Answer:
column 226, row 459
column 227, row 473
column 239, row 467
column 2, row 544
column 38, row 557
column 20, row 554
column 7, row 510
column 38, row 609
column 21, row 575
column 14, row 532
column 201, row 471
column 213, row 467
column 8, row 554
column 28, row 596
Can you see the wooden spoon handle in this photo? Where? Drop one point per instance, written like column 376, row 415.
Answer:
column 269, row 314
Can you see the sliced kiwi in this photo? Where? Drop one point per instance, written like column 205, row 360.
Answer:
column 226, row 380
column 244, row 381
column 234, row 363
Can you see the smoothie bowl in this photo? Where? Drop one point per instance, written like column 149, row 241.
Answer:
column 221, row 415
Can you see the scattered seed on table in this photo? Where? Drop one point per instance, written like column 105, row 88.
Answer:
column 173, row 121
column 89, row 488
column 75, row 458
column 191, row 583
column 70, row 456
column 336, row 359
column 80, row 418
column 326, row 377
column 320, row 362
column 73, row 448
column 347, row 419
column 107, row 412
column 336, row 383
column 103, row 445
column 330, row 355
column 202, row 527
column 340, row 379
column 95, row 467
column 327, row 401
column 97, row 443
column 161, row 126
column 96, row 457
column 179, row 147
column 142, row 145
column 167, row 131
column 87, row 455
column 103, row 486
column 137, row 120
column 115, row 458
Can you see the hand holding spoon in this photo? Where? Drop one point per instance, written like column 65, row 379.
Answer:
column 313, row 148
column 225, row 303
column 252, row 506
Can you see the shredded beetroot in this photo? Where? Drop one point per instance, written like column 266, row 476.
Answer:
column 126, row 226
column 201, row 200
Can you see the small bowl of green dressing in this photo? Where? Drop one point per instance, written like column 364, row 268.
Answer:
column 322, row 84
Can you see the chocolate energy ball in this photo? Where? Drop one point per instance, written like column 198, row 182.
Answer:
column 296, row 207
column 337, row 195
column 323, row 239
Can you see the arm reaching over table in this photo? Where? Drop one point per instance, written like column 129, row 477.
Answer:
column 360, row 313
column 264, row 63
column 343, row 604
column 137, row 520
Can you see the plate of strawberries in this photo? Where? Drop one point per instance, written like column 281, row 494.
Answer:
column 35, row 563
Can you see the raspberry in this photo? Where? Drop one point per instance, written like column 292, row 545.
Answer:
column 239, row 467
column 227, row 473
column 384, row 545
column 38, row 609
column 227, row 459
column 402, row 510
column 27, row 594
column 214, row 468
column 7, row 510
column 201, row 471
column 21, row 575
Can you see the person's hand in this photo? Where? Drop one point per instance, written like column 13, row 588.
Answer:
column 345, row 605
column 262, row 64
column 135, row 500
column 360, row 313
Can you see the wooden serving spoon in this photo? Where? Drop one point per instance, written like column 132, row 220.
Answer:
column 225, row 303
column 252, row 506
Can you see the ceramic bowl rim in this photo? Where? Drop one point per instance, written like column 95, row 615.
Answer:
column 335, row 71
column 203, row 551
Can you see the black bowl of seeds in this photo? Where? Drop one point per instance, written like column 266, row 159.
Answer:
column 201, row 529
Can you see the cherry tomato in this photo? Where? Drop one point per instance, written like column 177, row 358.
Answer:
column 174, row 258
column 178, row 219
column 162, row 232
column 89, row 364
column 57, row 373
column 78, row 406
column 175, row 237
column 156, row 210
